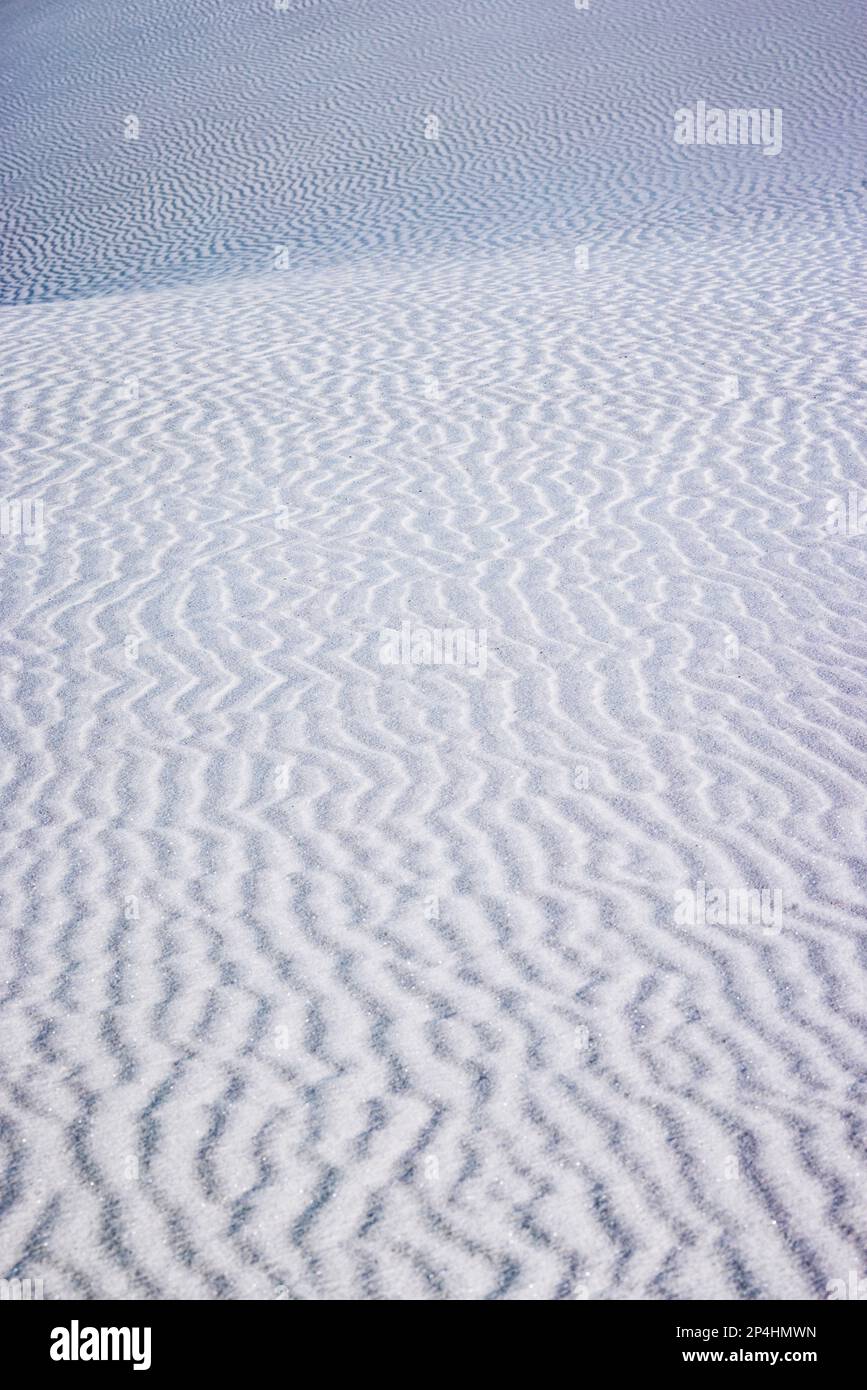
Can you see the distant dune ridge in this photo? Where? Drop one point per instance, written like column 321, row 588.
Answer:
column 432, row 568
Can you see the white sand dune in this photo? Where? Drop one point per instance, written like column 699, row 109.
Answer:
column 328, row 978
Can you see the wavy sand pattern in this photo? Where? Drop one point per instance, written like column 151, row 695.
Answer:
column 324, row 978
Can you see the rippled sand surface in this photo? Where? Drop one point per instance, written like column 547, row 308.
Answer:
column 326, row 332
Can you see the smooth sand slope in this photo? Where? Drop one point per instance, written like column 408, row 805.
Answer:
column 322, row 977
